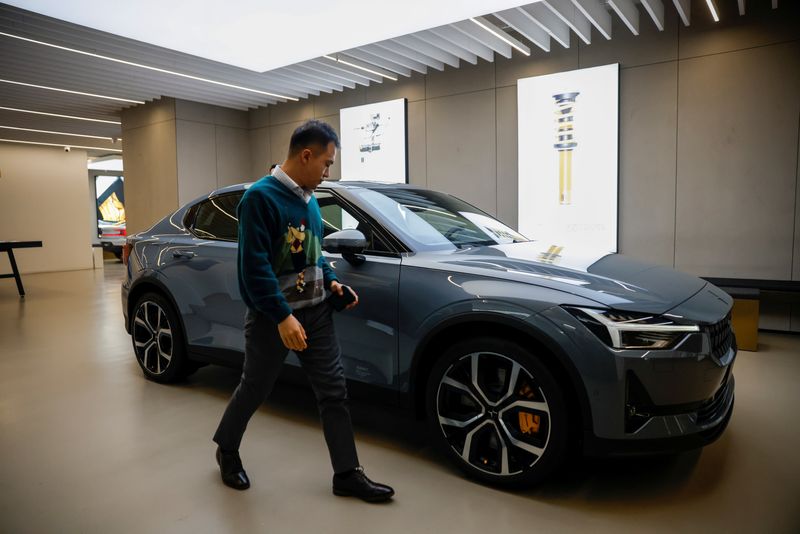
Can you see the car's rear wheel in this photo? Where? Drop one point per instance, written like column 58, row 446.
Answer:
column 158, row 340
column 496, row 411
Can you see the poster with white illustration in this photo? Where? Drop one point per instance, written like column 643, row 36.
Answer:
column 568, row 125
column 374, row 142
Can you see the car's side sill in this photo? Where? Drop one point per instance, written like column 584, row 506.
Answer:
column 295, row 375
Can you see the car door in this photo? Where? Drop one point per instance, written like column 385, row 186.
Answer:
column 201, row 272
column 368, row 332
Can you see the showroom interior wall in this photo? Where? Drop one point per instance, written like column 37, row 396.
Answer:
column 708, row 162
column 44, row 194
column 175, row 151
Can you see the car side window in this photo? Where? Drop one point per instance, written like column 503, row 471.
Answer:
column 336, row 217
column 216, row 218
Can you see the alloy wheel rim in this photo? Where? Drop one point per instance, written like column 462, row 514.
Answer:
column 152, row 337
column 493, row 413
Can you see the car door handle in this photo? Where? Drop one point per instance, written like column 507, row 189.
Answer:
column 186, row 254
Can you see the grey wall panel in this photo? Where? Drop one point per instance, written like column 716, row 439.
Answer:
column 291, row 112
column 507, row 147
column 629, row 50
column 151, row 173
column 466, row 79
column 560, row 59
column 156, row 111
column 648, row 116
column 279, row 136
column 232, row 118
column 330, row 104
column 233, row 155
column 737, row 162
column 259, row 117
column 335, row 172
column 412, row 88
column 417, row 144
column 197, row 159
column 44, row 196
column 462, row 157
column 197, row 112
column 260, row 153
column 762, row 26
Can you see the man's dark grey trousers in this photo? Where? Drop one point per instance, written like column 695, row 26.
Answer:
column 264, row 355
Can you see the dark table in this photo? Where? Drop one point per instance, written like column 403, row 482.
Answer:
column 9, row 246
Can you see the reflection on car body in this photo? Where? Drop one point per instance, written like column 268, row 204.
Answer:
column 515, row 351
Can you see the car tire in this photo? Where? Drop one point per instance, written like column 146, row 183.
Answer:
column 498, row 432
column 158, row 340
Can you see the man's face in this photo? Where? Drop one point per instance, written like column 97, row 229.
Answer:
column 318, row 164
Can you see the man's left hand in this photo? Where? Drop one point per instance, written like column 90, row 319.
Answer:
column 338, row 288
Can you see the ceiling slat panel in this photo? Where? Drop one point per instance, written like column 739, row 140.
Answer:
column 383, row 63
column 339, row 73
column 655, row 8
column 684, row 8
column 447, row 46
column 415, row 43
column 520, row 21
column 473, row 31
column 549, row 22
column 294, row 71
column 396, row 58
column 463, row 40
column 405, row 52
column 597, row 15
column 626, row 11
column 90, row 75
column 572, row 17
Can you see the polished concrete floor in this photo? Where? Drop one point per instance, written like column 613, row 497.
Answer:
column 88, row 445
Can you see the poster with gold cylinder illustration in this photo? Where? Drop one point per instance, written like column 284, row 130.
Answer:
column 568, row 143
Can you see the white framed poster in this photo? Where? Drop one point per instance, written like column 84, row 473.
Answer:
column 568, row 141
column 374, row 142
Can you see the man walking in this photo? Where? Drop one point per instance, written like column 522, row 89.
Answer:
column 283, row 277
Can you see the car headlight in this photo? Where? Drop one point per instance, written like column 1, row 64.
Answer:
column 627, row 330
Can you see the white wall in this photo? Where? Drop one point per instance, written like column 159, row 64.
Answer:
column 43, row 197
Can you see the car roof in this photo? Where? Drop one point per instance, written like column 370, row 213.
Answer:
column 330, row 184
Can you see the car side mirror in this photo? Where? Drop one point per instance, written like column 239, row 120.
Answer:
column 345, row 241
column 349, row 243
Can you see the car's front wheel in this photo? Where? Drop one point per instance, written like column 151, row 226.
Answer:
column 158, row 339
column 497, row 411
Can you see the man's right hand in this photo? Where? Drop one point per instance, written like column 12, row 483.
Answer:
column 292, row 333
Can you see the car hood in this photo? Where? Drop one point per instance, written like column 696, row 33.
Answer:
column 613, row 280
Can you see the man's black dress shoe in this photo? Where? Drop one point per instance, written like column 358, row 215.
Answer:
column 356, row 484
column 230, row 467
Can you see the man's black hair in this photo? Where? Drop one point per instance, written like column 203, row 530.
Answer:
column 312, row 133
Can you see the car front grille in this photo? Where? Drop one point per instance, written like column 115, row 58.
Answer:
column 721, row 336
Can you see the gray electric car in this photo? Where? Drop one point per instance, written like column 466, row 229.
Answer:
column 514, row 350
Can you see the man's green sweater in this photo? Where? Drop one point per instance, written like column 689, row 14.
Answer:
column 281, row 266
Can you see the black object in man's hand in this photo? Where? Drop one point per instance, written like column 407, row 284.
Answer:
column 340, row 302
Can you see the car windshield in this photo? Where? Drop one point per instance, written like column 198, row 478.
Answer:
column 429, row 220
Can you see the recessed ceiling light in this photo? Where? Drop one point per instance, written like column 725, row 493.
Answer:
column 148, row 67
column 713, row 8
column 59, row 115
column 343, row 62
column 61, row 133
column 60, row 144
column 500, row 36
column 72, row 92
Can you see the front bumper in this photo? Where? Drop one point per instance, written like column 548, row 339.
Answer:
column 671, row 433
column 644, row 402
